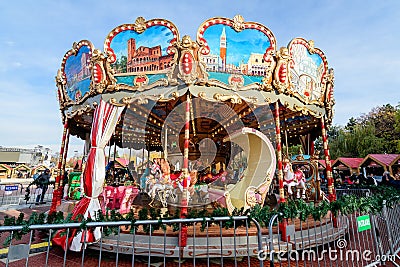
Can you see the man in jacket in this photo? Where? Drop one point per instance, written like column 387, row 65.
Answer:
column 43, row 183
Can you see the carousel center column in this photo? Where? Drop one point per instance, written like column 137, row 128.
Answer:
column 185, row 169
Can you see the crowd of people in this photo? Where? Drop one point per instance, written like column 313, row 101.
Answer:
column 360, row 179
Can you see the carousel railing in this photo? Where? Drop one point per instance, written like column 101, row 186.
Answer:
column 360, row 192
column 142, row 243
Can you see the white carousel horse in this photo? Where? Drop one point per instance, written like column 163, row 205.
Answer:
column 294, row 179
column 160, row 185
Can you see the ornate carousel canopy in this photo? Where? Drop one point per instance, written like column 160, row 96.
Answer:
column 233, row 73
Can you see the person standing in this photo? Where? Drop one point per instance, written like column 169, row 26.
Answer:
column 43, row 183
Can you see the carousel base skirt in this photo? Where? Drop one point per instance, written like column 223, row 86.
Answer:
column 213, row 242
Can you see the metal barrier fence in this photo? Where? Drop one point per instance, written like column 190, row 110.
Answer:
column 35, row 195
column 346, row 240
column 360, row 192
column 11, row 193
column 14, row 194
column 388, row 232
column 209, row 243
column 353, row 240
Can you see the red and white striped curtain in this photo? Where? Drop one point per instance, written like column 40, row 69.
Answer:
column 105, row 119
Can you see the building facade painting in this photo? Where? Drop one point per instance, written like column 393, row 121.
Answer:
column 77, row 73
column 143, row 53
column 231, row 52
column 307, row 70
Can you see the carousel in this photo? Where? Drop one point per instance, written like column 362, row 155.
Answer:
column 220, row 110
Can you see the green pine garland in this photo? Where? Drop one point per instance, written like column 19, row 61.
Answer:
column 289, row 210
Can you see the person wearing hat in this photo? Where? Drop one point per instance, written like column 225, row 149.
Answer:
column 43, row 183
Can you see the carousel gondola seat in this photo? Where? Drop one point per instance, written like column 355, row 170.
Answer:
column 108, row 195
column 119, row 195
column 130, row 193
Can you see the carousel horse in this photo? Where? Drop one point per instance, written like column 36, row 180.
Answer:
column 154, row 173
column 160, row 184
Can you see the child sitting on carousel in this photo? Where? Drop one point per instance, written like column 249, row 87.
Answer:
column 293, row 178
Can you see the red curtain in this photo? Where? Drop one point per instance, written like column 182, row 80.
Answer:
column 105, row 119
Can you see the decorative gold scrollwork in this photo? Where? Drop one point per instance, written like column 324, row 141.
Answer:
column 238, row 23
column 282, row 75
column 202, row 95
column 84, row 110
column 140, row 25
column 114, row 102
column 311, row 47
column 329, row 99
column 187, row 61
column 268, row 77
column 234, row 99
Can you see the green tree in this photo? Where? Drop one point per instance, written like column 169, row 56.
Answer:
column 383, row 119
column 375, row 132
column 123, row 63
column 351, row 124
column 397, row 126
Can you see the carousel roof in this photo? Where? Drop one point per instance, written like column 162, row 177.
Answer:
column 233, row 72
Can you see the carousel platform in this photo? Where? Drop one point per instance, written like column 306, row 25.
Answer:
column 214, row 242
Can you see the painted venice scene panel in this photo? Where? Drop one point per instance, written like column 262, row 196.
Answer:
column 145, row 53
column 77, row 73
column 307, row 72
column 242, row 53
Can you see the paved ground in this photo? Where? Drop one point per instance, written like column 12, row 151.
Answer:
column 14, row 210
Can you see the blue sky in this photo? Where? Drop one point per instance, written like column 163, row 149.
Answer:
column 359, row 38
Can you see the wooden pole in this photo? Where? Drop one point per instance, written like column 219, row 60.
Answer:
column 64, row 162
column 130, row 155
column 166, row 143
column 279, row 152
column 143, row 161
column 185, row 169
column 57, row 188
column 109, row 152
column 331, row 193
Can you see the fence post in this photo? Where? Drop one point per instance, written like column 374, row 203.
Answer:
column 283, row 229
column 384, row 213
column 259, row 239
column 271, row 240
column 378, row 246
